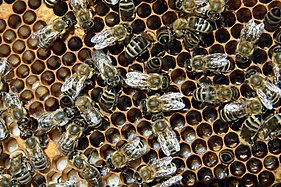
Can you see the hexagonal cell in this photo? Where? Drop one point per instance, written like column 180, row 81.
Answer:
column 194, row 162
column 205, row 174
column 254, row 165
column 249, row 180
column 237, row 168
column 210, row 159
column 144, row 128
column 270, row 162
column 97, row 139
column 188, row 134
column 199, row 146
column 221, row 171
column 215, row 143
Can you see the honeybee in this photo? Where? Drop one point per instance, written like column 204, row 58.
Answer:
column 127, row 11
column 69, row 139
column 164, row 36
column 73, row 85
column 273, row 18
column 166, row 137
column 108, row 99
column 51, row 3
column 249, row 35
column 111, row 36
column 14, row 105
column 20, row 167
column 48, row 34
column 270, row 128
column 130, row 151
column 88, row 111
column 7, row 181
column 152, row 81
column 103, row 65
column 191, row 6
column 153, row 65
column 216, row 63
column 250, row 128
column 238, row 109
column 37, row 156
column 4, row 131
column 4, row 70
column 85, row 170
column 191, row 40
column 156, row 169
column 268, row 93
column 167, row 102
column 191, row 24
column 170, row 182
column 215, row 94
column 83, row 14
column 27, row 126
column 276, row 60
column 49, row 121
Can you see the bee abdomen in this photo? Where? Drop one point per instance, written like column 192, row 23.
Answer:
column 198, row 24
column 153, row 65
column 136, row 47
column 235, row 93
column 278, row 38
column 107, row 100
column 191, row 40
column 127, row 10
column 273, row 18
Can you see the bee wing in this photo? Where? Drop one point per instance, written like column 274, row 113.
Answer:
column 263, row 98
column 101, row 60
column 172, row 101
column 162, row 162
column 217, row 60
column 114, row 2
column 276, row 71
column 273, row 87
column 252, row 31
column 45, row 30
column 4, row 64
column 103, row 39
column 170, row 182
column 137, row 80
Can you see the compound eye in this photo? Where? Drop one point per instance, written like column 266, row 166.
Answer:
column 245, row 59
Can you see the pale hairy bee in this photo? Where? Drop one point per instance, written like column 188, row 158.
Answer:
column 127, row 11
column 57, row 29
column 167, row 102
column 108, row 99
column 276, row 61
column 166, row 137
column 138, row 46
column 191, row 6
column 242, row 107
column 214, row 9
column 4, row 131
column 272, row 18
column 270, row 128
column 191, row 40
column 173, row 181
column 153, row 65
column 164, row 36
column 102, row 63
column 190, row 24
column 5, row 69
column 249, row 35
column 111, row 2
column 87, row 171
column 69, row 140
column 130, row 151
column 37, row 156
column 51, row 120
column 88, row 111
column 83, row 14
column 20, row 167
column 74, row 84
column 216, row 63
column 250, row 128
column 111, row 36
column 155, row 169
column 14, row 105
column 149, row 82
column 215, row 94
column 51, row 3
column 268, row 93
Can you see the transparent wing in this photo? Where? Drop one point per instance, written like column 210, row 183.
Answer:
column 172, row 101
column 164, row 167
column 104, row 39
column 276, row 71
column 79, row 3
column 251, row 31
column 137, row 80
column 170, row 182
column 133, row 149
column 168, row 142
column 273, row 87
column 217, row 60
column 114, row 2
column 4, row 67
column 101, row 60
column 3, row 129
column 48, row 33
column 162, row 162
column 263, row 98
column 74, row 83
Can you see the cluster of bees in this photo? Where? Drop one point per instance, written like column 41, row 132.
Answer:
column 79, row 113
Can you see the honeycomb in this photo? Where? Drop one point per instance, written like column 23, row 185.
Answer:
column 38, row 75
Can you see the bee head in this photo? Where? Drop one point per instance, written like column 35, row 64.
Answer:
column 165, row 82
column 113, row 81
column 213, row 16
column 66, row 101
column 128, row 28
column 250, row 73
column 137, row 177
column 72, row 155
column 179, row 4
column 157, row 117
column 241, row 58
